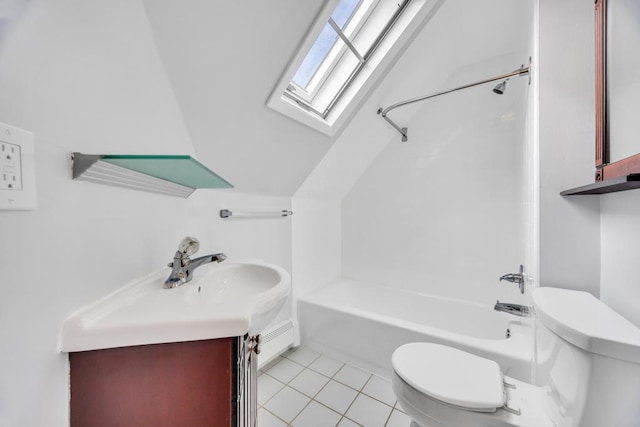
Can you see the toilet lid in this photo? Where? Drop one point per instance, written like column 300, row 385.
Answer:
column 450, row 375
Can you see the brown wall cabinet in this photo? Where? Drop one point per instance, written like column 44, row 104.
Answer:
column 610, row 176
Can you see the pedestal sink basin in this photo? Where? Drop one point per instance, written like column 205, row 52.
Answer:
column 222, row 300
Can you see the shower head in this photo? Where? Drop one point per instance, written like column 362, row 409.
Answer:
column 500, row 87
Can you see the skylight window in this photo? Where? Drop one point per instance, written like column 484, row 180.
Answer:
column 339, row 55
column 324, row 43
column 340, row 51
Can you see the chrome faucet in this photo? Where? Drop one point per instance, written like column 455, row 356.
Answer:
column 515, row 278
column 182, row 267
column 515, row 309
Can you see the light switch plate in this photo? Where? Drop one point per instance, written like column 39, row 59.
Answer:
column 17, row 169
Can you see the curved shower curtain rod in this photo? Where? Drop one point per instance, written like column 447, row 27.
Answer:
column 522, row 71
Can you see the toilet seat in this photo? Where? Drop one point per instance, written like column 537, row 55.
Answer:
column 451, row 376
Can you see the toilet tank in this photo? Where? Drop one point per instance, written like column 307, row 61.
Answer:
column 587, row 360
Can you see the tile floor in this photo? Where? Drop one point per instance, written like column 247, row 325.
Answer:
column 306, row 389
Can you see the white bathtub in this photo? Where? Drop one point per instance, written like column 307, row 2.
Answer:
column 365, row 323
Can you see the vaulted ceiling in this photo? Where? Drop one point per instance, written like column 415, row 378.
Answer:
column 223, row 59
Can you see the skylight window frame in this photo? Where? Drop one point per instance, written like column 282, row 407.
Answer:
column 374, row 46
column 335, row 54
column 389, row 46
column 306, row 102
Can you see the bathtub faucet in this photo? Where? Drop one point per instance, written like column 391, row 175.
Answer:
column 515, row 278
column 182, row 267
column 515, row 309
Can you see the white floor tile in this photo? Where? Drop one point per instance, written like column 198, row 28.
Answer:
column 380, row 389
column 303, row 356
column 271, row 364
column 369, row 412
column 267, row 419
column 324, row 394
column 399, row 407
column 285, row 370
column 267, row 387
column 336, row 396
column 398, row 419
column 345, row 422
column 287, row 404
column 326, row 366
column 309, row 382
column 316, row 415
column 352, row 376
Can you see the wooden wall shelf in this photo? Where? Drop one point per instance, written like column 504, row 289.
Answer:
column 622, row 183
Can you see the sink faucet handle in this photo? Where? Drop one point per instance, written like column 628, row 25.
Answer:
column 189, row 246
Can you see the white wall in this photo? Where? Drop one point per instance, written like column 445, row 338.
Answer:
column 316, row 243
column 451, row 39
column 86, row 76
column 580, row 246
column 623, row 84
column 454, row 38
column 619, row 212
column 445, row 212
column 619, row 230
column 569, row 226
column 223, row 60
column 587, row 242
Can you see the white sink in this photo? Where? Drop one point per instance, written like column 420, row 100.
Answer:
column 222, row 300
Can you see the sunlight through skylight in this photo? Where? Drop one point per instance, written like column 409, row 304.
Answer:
column 325, row 41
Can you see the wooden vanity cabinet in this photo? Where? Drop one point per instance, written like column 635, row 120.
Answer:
column 197, row 383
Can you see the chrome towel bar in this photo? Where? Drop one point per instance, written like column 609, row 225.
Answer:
column 226, row 213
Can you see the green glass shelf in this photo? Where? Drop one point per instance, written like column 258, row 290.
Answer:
column 177, row 175
column 184, row 170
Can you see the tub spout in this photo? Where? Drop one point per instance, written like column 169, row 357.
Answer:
column 515, row 309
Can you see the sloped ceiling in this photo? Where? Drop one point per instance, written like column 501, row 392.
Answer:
column 461, row 34
column 223, row 59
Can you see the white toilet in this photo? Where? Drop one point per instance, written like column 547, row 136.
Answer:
column 587, row 373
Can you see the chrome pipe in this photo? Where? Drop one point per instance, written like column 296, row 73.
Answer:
column 522, row 71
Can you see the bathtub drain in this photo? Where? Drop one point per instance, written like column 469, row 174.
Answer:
column 508, row 333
